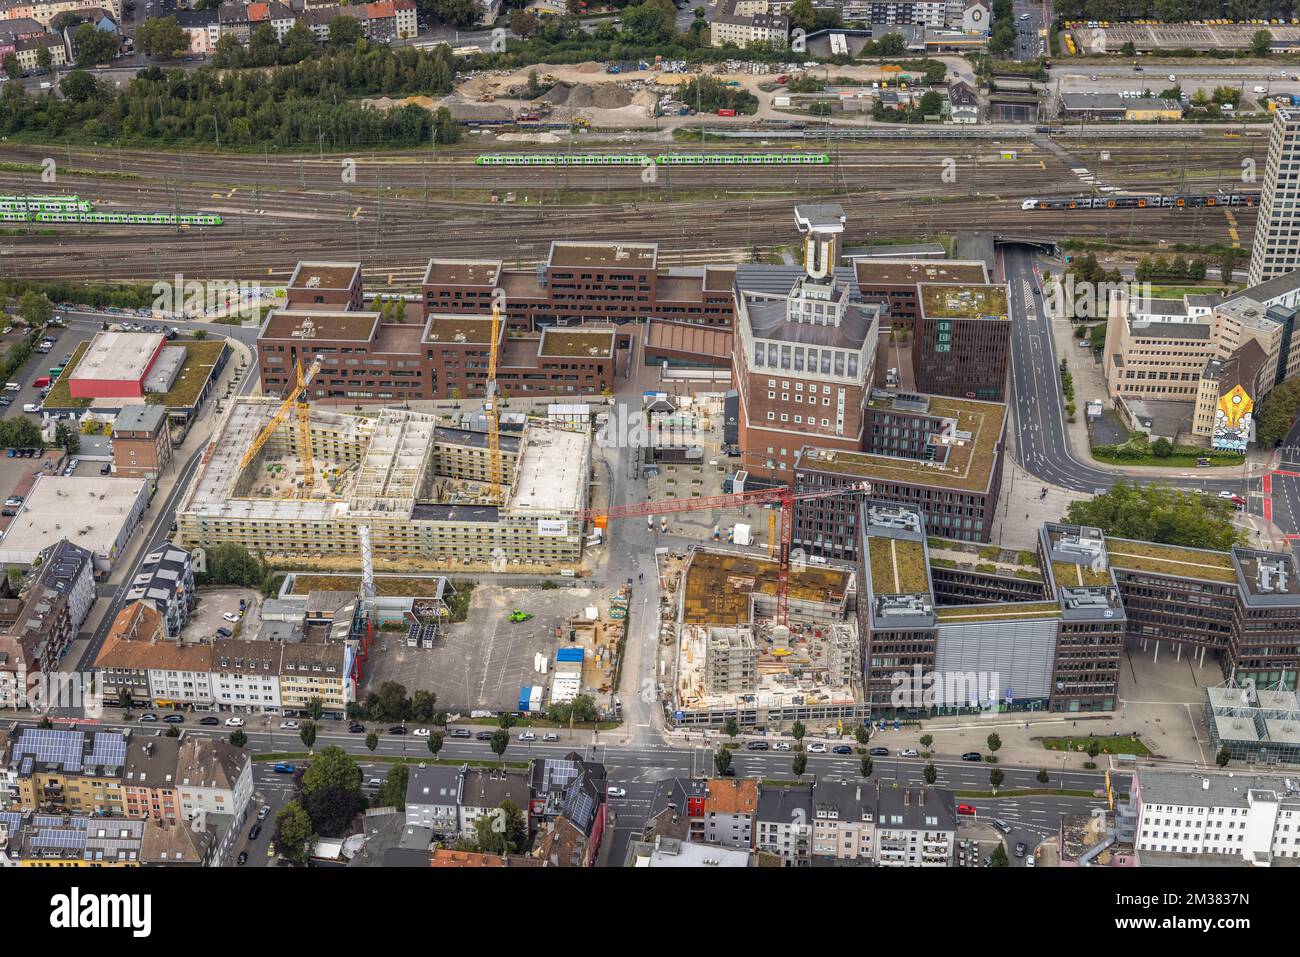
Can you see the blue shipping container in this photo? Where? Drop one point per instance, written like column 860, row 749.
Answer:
column 525, row 693
column 569, row 654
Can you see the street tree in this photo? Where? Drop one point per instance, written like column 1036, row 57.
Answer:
column 436, row 739
column 866, row 766
column 732, row 727
column 238, row 738
column 333, row 767
column 994, row 742
column 931, row 773
column 999, row 856
column 722, row 760
column 294, row 838
column 372, row 741
column 800, row 763
column 500, row 741
column 799, row 731
column 996, row 777
column 1041, row 776
column 1223, row 757
column 308, row 734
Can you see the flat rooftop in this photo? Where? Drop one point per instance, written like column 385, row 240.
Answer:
column 970, row 461
column 1075, row 575
column 309, row 325
column 88, row 511
column 1010, row 611
column 442, row 328
column 897, row 566
column 552, row 473
column 605, row 255
column 909, row 271
column 1171, row 560
column 324, row 275
column 967, row 300
column 140, row 418
column 577, row 342
column 687, row 337
column 718, row 586
column 119, row 356
column 462, row 272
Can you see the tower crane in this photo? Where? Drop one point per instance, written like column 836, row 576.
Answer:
column 784, row 496
column 296, row 399
column 493, row 416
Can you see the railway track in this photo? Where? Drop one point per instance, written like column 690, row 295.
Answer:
column 401, row 209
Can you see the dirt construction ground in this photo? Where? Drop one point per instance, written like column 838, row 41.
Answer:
column 483, row 661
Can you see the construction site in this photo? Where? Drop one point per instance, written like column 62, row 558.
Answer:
column 730, row 655
column 433, row 497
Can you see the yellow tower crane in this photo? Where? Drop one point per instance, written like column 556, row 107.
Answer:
column 296, row 398
column 490, row 408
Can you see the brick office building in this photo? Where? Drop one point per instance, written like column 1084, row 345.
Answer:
column 325, row 286
column 142, row 442
column 804, row 350
column 962, row 342
column 894, row 281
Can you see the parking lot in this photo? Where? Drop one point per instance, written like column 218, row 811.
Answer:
column 38, row 365
column 214, row 603
column 483, row 661
column 1176, row 36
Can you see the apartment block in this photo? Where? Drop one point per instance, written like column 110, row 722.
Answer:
column 119, row 669
column 731, row 812
column 68, row 771
column 895, row 282
column 423, row 490
column 166, row 581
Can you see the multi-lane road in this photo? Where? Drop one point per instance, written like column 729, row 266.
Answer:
column 1042, row 447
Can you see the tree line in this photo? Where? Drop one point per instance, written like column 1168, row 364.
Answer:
column 1175, row 11
column 308, row 104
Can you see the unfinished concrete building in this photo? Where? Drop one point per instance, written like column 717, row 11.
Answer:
column 423, row 490
column 809, row 670
column 730, row 661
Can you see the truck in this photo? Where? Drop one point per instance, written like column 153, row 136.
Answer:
column 41, row 381
column 613, row 68
column 726, row 112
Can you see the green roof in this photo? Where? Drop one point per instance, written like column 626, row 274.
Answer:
column 1171, row 560
column 964, row 301
column 1070, row 575
column 1017, row 611
column 897, row 566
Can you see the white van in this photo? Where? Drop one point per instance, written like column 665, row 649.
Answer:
column 13, row 387
column 31, row 407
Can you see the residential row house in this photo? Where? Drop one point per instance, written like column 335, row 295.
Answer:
column 450, row 800
column 38, row 626
column 236, row 675
column 166, row 581
column 380, row 22
column 821, row 823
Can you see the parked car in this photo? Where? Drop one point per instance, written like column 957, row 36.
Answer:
column 148, row 716
column 421, row 732
column 972, row 756
column 842, row 749
column 14, row 500
column 209, row 721
column 264, row 812
column 816, row 748
column 907, row 752
column 484, row 736
column 255, row 833
column 174, row 718
column 397, row 729
column 782, row 746
column 616, row 792
column 550, row 736
column 234, row 722
column 879, row 752
column 460, row 733
column 966, row 809
column 230, row 616
column 356, row 728
column 289, row 725
column 756, row 746
column 243, row 857
column 527, row 736
column 224, row 632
